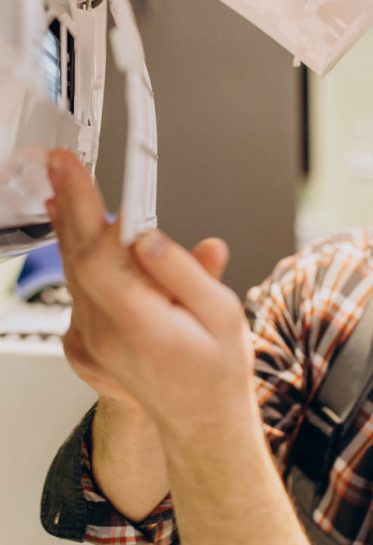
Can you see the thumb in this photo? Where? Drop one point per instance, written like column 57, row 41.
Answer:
column 213, row 255
column 175, row 270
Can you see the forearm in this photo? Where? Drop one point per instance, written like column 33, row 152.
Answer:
column 226, row 488
column 128, row 461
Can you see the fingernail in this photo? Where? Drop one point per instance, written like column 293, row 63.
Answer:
column 152, row 245
column 55, row 160
column 55, row 169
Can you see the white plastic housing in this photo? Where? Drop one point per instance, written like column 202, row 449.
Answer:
column 31, row 121
column 317, row 32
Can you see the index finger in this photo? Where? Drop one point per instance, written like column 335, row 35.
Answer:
column 81, row 212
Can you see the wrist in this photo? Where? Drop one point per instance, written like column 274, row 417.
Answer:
column 204, row 428
column 225, row 485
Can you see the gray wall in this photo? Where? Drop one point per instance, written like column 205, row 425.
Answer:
column 228, row 109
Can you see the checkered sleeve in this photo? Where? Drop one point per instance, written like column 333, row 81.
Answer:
column 105, row 525
column 301, row 316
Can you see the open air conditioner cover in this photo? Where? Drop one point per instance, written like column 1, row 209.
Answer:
column 317, row 32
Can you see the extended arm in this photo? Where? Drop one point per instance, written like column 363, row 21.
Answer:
column 191, row 373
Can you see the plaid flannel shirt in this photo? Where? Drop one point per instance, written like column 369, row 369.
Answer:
column 301, row 316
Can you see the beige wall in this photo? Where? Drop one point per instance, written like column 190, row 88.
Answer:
column 227, row 102
column 340, row 186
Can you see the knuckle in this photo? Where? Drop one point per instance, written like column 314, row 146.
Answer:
column 83, row 365
column 76, row 345
column 96, row 346
column 88, row 375
column 70, row 344
column 99, row 342
column 86, row 262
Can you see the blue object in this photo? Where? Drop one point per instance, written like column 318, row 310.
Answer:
column 42, row 269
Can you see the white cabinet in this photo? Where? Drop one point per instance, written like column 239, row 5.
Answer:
column 41, row 400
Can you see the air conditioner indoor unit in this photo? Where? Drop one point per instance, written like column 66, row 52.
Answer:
column 52, row 79
column 52, row 66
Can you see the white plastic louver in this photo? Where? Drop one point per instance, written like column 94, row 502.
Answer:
column 141, row 158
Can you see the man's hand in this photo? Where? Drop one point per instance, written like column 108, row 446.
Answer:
column 122, row 430
column 151, row 320
column 211, row 253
